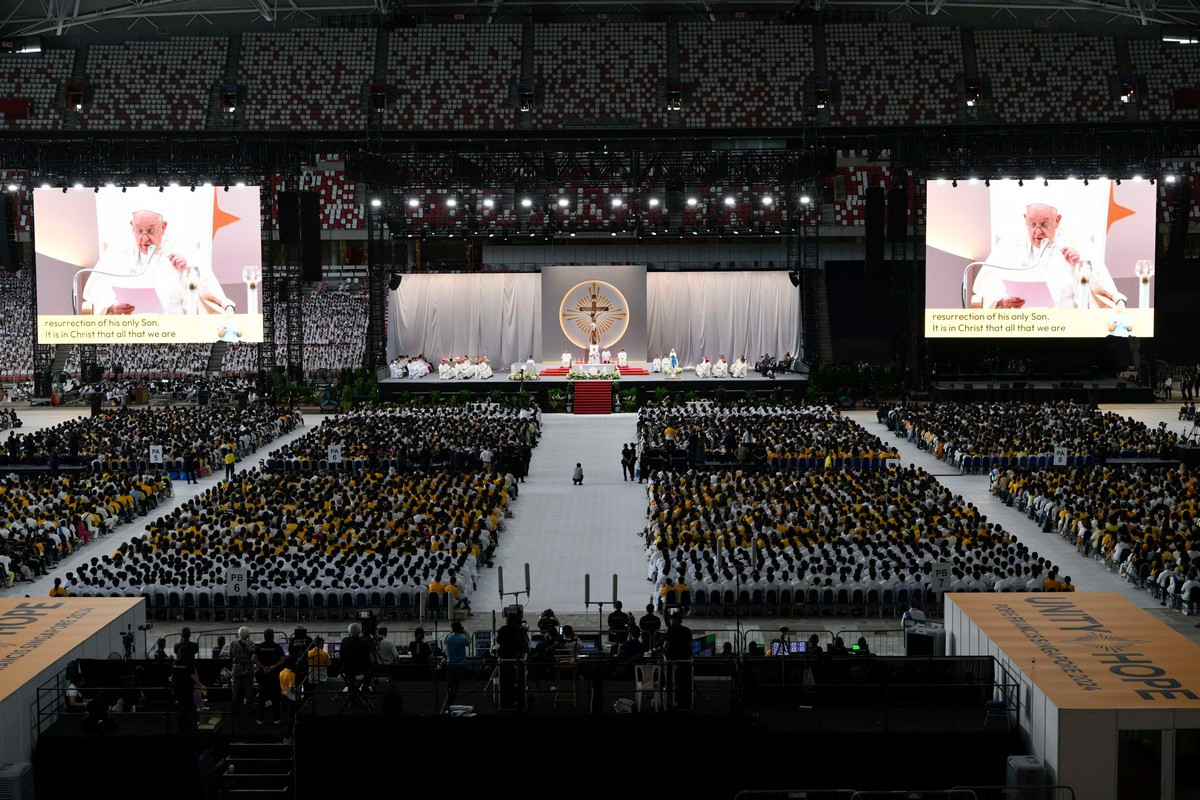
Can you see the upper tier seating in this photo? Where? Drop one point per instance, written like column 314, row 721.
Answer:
column 600, row 73
column 894, row 74
column 307, row 79
column 1025, row 89
column 38, row 78
column 454, row 76
column 744, row 73
column 153, row 85
column 1166, row 68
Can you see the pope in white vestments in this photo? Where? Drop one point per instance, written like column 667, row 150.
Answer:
column 721, row 368
column 1046, row 256
column 150, row 260
column 622, row 358
column 566, row 359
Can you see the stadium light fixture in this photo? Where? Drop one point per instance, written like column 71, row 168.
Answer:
column 1137, row 177
column 240, row 184
column 376, row 202
column 617, row 202
column 413, row 202
column 488, row 202
column 451, row 202
column 1169, row 178
column 767, row 200
column 653, row 202
column 77, row 185
column 12, row 187
column 563, row 202
column 692, row 202
column 526, row 203
column 805, row 199
column 729, row 201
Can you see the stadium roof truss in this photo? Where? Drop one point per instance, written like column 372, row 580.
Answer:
column 57, row 17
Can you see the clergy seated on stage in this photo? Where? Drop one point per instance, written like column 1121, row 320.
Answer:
column 868, row 532
column 606, row 356
column 657, row 364
column 704, row 368
column 594, row 354
column 720, row 369
column 447, row 369
column 739, row 368
column 622, row 358
column 566, row 359
column 419, row 367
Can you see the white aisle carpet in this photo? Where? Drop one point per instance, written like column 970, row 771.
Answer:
column 565, row 531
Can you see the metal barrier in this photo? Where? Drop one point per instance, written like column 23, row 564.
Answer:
column 1048, row 792
column 880, row 643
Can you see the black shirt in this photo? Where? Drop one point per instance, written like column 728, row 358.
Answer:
column 268, row 653
column 678, row 643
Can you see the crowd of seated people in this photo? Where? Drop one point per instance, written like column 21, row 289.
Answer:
column 1137, row 520
column 145, row 360
column 874, row 532
column 482, row 436
column 425, row 522
column 201, row 433
column 767, row 434
column 16, row 325
column 335, row 333
column 46, row 516
column 960, row 432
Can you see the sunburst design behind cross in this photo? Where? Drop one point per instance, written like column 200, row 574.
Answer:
column 594, row 314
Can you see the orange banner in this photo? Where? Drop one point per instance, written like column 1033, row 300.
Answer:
column 35, row 633
column 1090, row 650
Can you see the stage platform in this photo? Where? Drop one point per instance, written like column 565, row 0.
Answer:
column 792, row 384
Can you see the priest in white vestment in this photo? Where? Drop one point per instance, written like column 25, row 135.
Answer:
column 566, row 359
column 721, row 368
column 738, row 370
column 622, row 358
column 704, row 368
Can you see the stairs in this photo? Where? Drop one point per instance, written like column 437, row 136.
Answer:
column 216, row 357
column 593, row 397
column 78, row 75
column 218, row 118
column 61, row 353
column 262, row 769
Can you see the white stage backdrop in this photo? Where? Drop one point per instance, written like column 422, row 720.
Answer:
column 499, row 315
column 722, row 313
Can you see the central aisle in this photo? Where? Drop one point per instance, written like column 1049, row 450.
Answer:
column 564, row 531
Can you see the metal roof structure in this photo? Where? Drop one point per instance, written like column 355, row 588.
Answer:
column 58, row 17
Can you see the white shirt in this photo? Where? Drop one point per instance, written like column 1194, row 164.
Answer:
column 134, row 269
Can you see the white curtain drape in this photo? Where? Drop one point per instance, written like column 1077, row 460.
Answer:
column 715, row 313
column 497, row 315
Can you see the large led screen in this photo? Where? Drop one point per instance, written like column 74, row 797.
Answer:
column 143, row 265
column 1035, row 258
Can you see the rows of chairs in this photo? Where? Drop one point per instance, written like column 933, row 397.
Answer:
column 979, row 464
column 816, row 602
column 295, row 605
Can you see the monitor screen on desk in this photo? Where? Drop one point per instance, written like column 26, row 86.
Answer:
column 779, row 648
column 705, row 645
